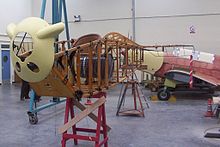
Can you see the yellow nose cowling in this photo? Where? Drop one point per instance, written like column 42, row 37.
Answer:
column 42, row 55
column 153, row 60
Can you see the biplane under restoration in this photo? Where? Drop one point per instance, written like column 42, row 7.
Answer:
column 90, row 66
column 87, row 69
column 94, row 63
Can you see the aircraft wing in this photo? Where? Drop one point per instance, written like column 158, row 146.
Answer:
column 210, row 79
column 183, row 76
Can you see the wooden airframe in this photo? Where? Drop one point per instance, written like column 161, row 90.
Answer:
column 61, row 82
column 65, row 79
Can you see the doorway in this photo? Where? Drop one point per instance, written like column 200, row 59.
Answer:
column 6, row 73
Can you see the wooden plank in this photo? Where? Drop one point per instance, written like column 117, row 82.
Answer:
column 82, row 115
column 117, row 61
column 83, row 46
column 132, row 55
column 99, row 65
column 63, row 46
column 126, row 60
column 91, row 115
column 90, row 78
column 140, row 56
column 78, row 69
column 136, row 56
column 106, row 65
column 66, row 64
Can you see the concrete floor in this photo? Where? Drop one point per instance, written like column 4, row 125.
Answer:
column 179, row 124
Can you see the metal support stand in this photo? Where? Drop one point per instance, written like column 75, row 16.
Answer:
column 33, row 108
column 101, row 122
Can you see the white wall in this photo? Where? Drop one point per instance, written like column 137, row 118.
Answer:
column 13, row 11
column 168, row 22
column 94, row 15
column 157, row 21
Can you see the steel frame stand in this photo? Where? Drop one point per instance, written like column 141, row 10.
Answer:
column 136, row 97
column 101, row 123
column 34, row 109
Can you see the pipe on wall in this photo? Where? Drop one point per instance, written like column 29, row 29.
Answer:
column 133, row 20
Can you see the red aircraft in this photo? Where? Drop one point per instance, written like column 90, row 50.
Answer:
column 201, row 72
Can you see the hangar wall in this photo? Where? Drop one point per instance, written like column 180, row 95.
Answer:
column 170, row 21
column 166, row 22
column 13, row 11
column 97, row 16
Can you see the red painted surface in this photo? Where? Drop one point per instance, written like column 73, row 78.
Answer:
column 191, row 72
column 101, row 123
column 208, row 71
column 209, row 112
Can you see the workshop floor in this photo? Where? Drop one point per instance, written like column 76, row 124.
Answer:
column 166, row 124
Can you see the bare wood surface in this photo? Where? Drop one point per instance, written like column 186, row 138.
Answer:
column 91, row 115
column 79, row 47
column 78, row 69
column 99, row 66
column 90, row 78
column 53, row 85
column 82, row 115
column 106, row 64
column 117, row 61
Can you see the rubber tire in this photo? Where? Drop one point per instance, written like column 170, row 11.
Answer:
column 33, row 119
column 163, row 94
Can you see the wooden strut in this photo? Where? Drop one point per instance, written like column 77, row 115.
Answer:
column 91, row 115
column 101, row 122
column 82, row 115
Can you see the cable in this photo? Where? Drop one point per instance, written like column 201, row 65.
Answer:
column 145, row 99
column 21, row 43
column 120, row 95
column 149, row 17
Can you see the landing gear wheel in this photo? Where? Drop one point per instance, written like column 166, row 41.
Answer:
column 163, row 94
column 33, row 118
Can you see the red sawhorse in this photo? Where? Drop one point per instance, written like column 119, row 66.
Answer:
column 100, row 120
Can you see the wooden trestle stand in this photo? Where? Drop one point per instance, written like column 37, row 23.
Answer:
column 101, row 127
column 132, row 83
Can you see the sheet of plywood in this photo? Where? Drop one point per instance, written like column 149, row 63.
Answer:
column 53, row 86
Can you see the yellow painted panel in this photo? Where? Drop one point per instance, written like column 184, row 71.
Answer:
column 42, row 54
column 155, row 98
column 170, row 83
column 153, row 60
